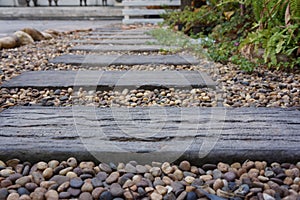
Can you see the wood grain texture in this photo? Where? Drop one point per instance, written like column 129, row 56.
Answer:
column 111, row 80
column 126, row 48
column 226, row 134
column 106, row 60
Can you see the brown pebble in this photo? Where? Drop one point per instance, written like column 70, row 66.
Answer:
column 47, row 184
column 223, row 167
column 161, row 189
column 97, row 192
column 23, row 180
column 12, row 163
column 248, row 165
column 63, row 187
column 51, row 195
column 253, row 173
column 85, row 196
column 13, row 196
column 26, row 197
column 206, row 177
column 48, row 173
column 156, row 196
column 218, row 184
column 131, row 195
column 6, row 183
column 72, row 162
column 166, row 168
column 87, row 187
column 41, row 166
column 178, row 174
column 89, row 165
column 113, row 177
column 182, row 195
column 53, row 164
column 185, row 166
column 31, row 186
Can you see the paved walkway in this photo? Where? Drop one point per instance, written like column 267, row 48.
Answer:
column 8, row 27
column 61, row 13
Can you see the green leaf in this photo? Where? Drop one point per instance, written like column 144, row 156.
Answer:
column 290, row 51
column 279, row 46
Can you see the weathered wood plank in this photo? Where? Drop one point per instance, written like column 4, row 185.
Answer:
column 118, row 80
column 131, row 48
column 121, row 32
column 119, row 41
column 106, row 60
column 117, row 36
column 142, row 20
column 118, row 134
column 142, row 12
column 151, row 3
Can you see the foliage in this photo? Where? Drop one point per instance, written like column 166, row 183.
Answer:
column 268, row 26
column 168, row 37
column 280, row 45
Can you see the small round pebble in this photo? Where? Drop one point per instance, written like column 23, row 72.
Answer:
column 76, row 182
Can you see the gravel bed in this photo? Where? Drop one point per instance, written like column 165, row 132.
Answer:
column 128, row 98
column 235, row 87
column 86, row 180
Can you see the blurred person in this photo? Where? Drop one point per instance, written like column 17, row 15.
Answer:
column 84, row 2
column 55, row 1
column 34, row 2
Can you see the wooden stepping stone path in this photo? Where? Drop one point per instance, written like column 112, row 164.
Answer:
column 112, row 79
column 147, row 133
column 106, row 60
column 117, row 134
column 126, row 48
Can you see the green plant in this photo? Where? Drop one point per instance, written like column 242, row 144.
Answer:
column 170, row 38
column 276, row 32
column 269, row 30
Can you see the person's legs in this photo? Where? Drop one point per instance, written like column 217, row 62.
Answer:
column 50, row 2
column 56, row 2
column 85, row 3
column 28, row 3
column 80, row 3
column 35, row 2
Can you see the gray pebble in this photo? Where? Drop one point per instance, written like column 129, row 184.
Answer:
column 85, row 196
column 74, row 192
column 64, row 195
column 96, row 182
column 23, row 191
column 3, row 193
column 60, row 179
column 76, row 182
column 116, row 190
column 106, row 195
column 230, row 176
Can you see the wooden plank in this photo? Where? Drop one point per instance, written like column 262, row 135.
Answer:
column 142, row 20
column 106, row 60
column 114, row 41
column 112, row 80
column 142, row 12
column 151, row 3
column 152, row 133
column 121, row 32
column 126, row 48
column 117, row 36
